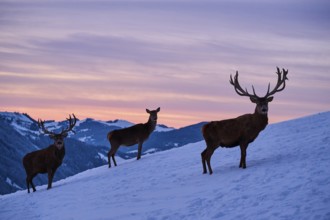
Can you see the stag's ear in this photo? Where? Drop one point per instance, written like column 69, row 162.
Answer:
column 148, row 111
column 65, row 135
column 269, row 99
column 253, row 99
column 52, row 136
column 158, row 109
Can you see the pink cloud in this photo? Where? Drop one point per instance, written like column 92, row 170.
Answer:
column 113, row 60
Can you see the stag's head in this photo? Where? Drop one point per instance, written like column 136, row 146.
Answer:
column 59, row 138
column 153, row 114
column 261, row 102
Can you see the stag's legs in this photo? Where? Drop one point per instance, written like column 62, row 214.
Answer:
column 114, row 161
column 29, row 181
column 242, row 163
column 208, row 156
column 112, row 153
column 139, row 150
column 204, row 161
column 28, row 184
column 50, row 178
column 34, row 189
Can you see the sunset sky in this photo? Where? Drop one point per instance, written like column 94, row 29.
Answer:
column 113, row 59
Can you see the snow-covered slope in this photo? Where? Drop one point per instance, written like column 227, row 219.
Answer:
column 287, row 177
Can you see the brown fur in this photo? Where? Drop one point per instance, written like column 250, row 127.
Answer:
column 43, row 161
column 231, row 133
column 243, row 130
column 49, row 159
column 135, row 134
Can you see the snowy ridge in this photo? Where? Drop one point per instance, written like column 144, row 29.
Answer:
column 20, row 122
column 16, row 117
column 122, row 124
column 125, row 124
column 163, row 128
column 287, row 177
column 119, row 123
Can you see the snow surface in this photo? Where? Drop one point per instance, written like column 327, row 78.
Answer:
column 287, row 177
column 119, row 123
column 53, row 125
column 20, row 122
column 16, row 117
column 163, row 129
column 83, row 139
column 10, row 182
column 23, row 130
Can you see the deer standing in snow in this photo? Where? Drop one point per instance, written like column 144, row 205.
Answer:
column 243, row 129
column 135, row 134
column 49, row 159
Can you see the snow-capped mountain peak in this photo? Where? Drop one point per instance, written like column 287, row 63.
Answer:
column 22, row 123
column 119, row 123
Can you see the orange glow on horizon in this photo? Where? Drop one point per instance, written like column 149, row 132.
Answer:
column 129, row 57
column 176, row 119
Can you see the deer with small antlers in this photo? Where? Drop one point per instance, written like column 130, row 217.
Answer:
column 49, row 159
column 135, row 134
column 243, row 130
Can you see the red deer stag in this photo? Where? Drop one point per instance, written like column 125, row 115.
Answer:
column 135, row 134
column 49, row 159
column 243, row 129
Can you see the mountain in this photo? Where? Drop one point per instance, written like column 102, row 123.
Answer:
column 287, row 177
column 87, row 148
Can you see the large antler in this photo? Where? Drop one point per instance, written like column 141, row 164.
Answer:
column 72, row 123
column 239, row 90
column 280, row 82
column 41, row 125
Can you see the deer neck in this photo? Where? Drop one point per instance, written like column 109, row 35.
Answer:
column 59, row 148
column 151, row 124
column 262, row 119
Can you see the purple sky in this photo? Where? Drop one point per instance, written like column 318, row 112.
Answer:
column 113, row 59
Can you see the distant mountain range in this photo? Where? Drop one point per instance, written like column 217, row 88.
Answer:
column 87, row 148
